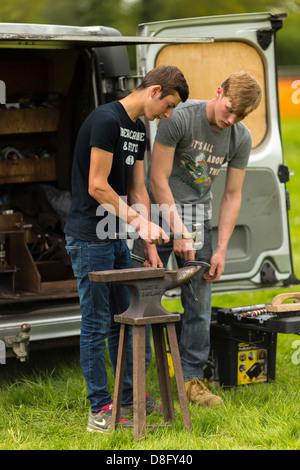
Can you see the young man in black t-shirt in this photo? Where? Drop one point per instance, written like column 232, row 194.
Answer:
column 107, row 178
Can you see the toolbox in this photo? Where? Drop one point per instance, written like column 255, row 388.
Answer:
column 244, row 340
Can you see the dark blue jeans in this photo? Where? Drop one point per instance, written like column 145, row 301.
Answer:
column 99, row 302
column 194, row 344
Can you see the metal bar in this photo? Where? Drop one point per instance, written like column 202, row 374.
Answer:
column 103, row 40
column 137, row 258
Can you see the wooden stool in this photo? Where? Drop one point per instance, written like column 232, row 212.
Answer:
column 146, row 286
column 139, row 374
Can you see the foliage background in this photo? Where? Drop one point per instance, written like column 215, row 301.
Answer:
column 125, row 15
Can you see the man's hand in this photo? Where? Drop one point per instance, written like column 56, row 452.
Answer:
column 152, row 260
column 184, row 249
column 217, row 266
column 149, row 232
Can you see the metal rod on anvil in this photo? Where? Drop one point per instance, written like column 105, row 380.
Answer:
column 137, row 258
column 188, row 263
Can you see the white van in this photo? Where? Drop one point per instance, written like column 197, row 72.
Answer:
column 54, row 76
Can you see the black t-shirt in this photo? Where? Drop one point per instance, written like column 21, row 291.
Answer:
column 109, row 128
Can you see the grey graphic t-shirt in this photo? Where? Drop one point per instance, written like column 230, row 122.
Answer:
column 200, row 151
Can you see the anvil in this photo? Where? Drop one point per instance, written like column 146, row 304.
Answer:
column 147, row 286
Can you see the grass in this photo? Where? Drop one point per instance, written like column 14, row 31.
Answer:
column 43, row 407
column 291, row 147
column 43, row 403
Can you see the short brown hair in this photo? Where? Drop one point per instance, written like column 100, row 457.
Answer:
column 244, row 92
column 170, row 78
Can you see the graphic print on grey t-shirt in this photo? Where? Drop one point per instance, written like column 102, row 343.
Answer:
column 203, row 166
column 200, row 151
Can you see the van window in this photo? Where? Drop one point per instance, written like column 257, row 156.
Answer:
column 206, row 66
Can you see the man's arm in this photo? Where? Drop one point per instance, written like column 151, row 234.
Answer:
column 139, row 197
column 228, row 214
column 161, row 167
column 100, row 189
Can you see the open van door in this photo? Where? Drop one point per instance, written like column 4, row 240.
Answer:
column 51, row 78
column 259, row 252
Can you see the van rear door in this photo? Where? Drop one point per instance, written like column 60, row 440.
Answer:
column 259, row 250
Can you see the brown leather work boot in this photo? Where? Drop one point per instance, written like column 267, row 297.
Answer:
column 198, row 393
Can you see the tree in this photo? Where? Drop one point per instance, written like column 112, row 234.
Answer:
column 125, row 15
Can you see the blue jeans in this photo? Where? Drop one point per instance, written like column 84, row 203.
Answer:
column 194, row 344
column 99, row 302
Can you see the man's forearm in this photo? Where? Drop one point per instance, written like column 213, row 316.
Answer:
column 228, row 215
column 112, row 202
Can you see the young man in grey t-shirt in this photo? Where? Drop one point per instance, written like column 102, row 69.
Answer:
column 188, row 153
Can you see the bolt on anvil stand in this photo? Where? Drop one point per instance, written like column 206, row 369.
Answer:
column 146, row 286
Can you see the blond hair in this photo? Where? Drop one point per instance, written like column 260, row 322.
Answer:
column 244, row 92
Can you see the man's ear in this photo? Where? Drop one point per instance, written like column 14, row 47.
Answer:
column 155, row 90
column 219, row 92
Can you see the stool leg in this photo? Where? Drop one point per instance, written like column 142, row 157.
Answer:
column 139, row 382
column 163, row 372
column 179, row 377
column 120, row 370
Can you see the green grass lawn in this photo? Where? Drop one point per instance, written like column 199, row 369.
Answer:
column 291, row 148
column 43, row 403
column 43, row 407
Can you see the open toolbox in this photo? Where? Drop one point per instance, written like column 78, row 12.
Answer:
column 244, row 339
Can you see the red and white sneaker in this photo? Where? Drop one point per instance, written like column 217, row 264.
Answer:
column 101, row 422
